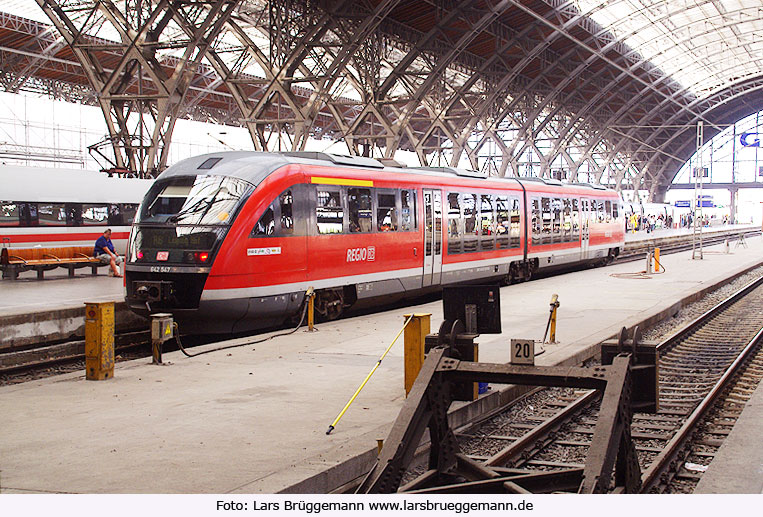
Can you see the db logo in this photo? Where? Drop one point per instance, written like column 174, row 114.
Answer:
column 361, row 254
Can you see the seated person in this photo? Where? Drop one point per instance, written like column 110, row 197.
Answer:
column 104, row 251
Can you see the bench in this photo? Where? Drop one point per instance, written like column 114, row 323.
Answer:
column 17, row 260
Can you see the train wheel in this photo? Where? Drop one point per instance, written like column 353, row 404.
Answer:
column 329, row 304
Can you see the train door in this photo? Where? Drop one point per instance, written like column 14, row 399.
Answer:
column 585, row 227
column 432, row 238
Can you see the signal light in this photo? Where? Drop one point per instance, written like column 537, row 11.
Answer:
column 201, row 256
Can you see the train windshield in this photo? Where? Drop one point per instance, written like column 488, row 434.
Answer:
column 194, row 200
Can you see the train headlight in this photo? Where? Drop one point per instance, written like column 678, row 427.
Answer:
column 139, row 254
column 201, row 256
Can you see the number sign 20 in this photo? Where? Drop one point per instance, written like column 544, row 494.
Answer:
column 523, row 351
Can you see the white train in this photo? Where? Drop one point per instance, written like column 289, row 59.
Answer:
column 48, row 207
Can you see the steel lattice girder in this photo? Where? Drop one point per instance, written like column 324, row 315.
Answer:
column 140, row 95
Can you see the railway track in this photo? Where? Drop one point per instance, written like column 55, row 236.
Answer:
column 707, row 371
column 635, row 250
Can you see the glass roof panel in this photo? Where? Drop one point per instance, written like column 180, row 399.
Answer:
column 705, row 45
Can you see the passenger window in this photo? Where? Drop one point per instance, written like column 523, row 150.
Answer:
column 608, row 211
column 600, row 210
column 503, row 222
column 28, row 214
column 129, row 212
column 359, row 210
column 9, row 214
column 575, row 220
column 408, row 210
column 556, row 212
column 469, row 205
column 537, row 230
column 487, row 223
column 386, row 211
column 515, row 222
column 329, row 212
column 95, row 215
column 287, row 215
column 567, row 221
column 73, row 214
column 266, row 225
column 52, row 214
column 615, row 209
column 547, row 223
column 455, row 224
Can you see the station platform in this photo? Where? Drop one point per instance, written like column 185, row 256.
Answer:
column 738, row 465
column 663, row 233
column 253, row 419
column 52, row 309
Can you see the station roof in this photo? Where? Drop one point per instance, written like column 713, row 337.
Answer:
column 616, row 78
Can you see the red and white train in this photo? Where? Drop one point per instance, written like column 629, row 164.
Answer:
column 230, row 242
column 45, row 207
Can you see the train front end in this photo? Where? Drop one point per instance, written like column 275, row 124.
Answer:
column 176, row 235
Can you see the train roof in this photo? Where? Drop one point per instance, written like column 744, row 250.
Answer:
column 255, row 166
column 21, row 183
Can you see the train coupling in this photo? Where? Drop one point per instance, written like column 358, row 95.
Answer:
column 153, row 291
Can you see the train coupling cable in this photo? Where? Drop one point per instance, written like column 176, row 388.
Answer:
column 245, row 343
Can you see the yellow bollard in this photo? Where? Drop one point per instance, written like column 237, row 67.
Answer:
column 415, row 333
column 99, row 341
column 310, row 309
column 554, row 307
column 656, row 260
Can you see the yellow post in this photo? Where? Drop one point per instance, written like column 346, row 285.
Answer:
column 554, row 307
column 656, row 260
column 99, row 341
column 414, row 336
column 310, row 309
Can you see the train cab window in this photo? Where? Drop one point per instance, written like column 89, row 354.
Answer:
column 455, row 224
column 536, row 222
column 266, row 225
column 407, row 210
column 487, row 223
column 386, row 211
column 575, row 220
column 329, row 212
column 287, row 214
column 52, row 214
column 556, row 219
column 547, row 221
column 567, row 221
column 471, row 230
column 95, row 215
column 608, row 211
column 515, row 222
column 502, row 222
column 9, row 214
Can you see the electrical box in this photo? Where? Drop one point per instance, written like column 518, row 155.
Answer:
column 161, row 327
column 477, row 306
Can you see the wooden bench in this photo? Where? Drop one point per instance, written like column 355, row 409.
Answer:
column 17, row 260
